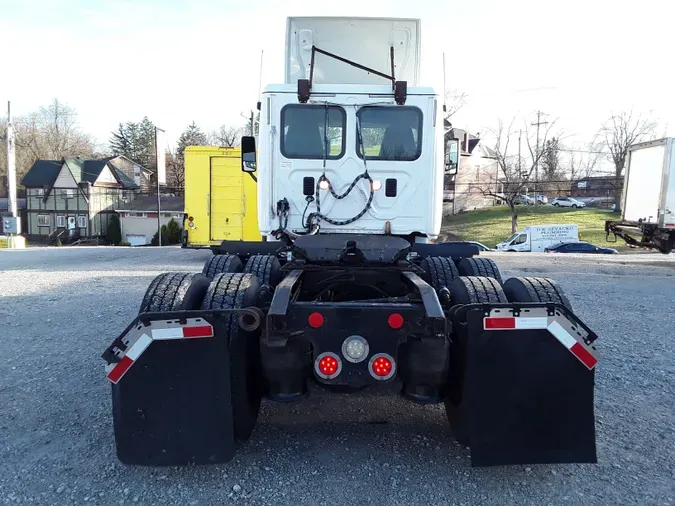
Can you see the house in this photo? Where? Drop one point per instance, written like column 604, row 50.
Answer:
column 472, row 170
column 144, row 178
column 74, row 196
column 138, row 218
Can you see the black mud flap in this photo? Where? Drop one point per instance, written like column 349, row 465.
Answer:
column 172, row 406
column 527, row 399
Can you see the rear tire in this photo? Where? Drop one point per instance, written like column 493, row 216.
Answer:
column 556, row 205
column 222, row 264
column 439, row 271
column 476, row 289
column 266, row 267
column 174, row 291
column 231, row 291
column 485, row 267
column 468, row 290
column 535, row 290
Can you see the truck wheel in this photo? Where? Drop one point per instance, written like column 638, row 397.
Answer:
column 476, row 289
column 230, row 291
column 485, row 267
column 221, row 264
column 266, row 267
column 469, row 290
column 535, row 290
column 174, row 291
column 439, row 271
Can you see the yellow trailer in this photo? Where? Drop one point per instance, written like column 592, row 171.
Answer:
column 220, row 199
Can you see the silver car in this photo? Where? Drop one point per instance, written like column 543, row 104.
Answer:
column 567, row 202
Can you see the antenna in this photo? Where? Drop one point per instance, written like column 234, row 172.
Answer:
column 444, row 94
column 260, row 74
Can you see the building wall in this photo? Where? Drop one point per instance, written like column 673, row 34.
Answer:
column 65, row 202
column 475, row 175
column 140, row 223
column 134, row 172
column 102, row 201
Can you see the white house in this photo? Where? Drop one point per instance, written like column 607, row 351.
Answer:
column 138, row 218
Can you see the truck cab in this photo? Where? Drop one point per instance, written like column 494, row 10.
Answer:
column 350, row 156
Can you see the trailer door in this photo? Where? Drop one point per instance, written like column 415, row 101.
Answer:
column 227, row 204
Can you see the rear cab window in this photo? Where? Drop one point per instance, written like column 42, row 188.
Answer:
column 307, row 129
column 390, row 133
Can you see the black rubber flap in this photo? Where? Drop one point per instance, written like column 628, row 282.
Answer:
column 529, row 400
column 173, row 407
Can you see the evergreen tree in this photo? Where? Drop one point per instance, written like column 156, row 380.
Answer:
column 192, row 136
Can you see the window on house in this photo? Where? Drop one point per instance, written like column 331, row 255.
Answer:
column 60, row 221
column 82, row 221
column 43, row 220
column 68, row 194
column 40, row 192
column 135, row 215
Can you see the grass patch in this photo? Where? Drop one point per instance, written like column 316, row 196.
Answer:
column 493, row 224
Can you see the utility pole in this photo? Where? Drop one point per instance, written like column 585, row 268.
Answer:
column 11, row 163
column 520, row 171
column 159, row 210
column 536, row 165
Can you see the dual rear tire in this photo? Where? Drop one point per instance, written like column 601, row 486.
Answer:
column 213, row 290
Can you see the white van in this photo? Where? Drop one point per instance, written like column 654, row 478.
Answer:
column 539, row 237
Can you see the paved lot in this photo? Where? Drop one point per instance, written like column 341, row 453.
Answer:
column 59, row 308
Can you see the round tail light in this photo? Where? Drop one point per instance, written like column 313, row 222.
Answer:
column 327, row 365
column 382, row 366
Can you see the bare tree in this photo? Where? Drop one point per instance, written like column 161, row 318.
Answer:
column 513, row 173
column 52, row 132
column 49, row 133
column 454, row 101
column 175, row 172
column 227, row 136
column 619, row 132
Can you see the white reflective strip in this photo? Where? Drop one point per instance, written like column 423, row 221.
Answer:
column 174, row 333
column 562, row 335
column 532, row 323
column 138, row 347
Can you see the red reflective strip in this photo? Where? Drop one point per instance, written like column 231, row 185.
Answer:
column 500, row 323
column 119, row 370
column 670, row 224
column 583, row 354
column 202, row 331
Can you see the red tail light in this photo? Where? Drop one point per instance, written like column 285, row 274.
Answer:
column 191, row 219
column 382, row 366
column 315, row 320
column 395, row 321
column 327, row 365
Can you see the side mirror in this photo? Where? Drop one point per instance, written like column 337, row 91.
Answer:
column 451, row 155
column 248, row 162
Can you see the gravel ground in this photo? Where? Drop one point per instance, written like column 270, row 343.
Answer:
column 59, row 308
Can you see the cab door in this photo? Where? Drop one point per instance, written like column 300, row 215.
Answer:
column 227, row 204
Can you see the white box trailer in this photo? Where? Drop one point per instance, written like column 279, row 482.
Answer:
column 648, row 203
column 649, row 184
column 539, row 237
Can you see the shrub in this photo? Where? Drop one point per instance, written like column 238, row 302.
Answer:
column 114, row 235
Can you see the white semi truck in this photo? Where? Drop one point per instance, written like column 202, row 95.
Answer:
column 349, row 291
column 648, row 203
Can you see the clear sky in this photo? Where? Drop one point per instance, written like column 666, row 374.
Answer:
column 177, row 61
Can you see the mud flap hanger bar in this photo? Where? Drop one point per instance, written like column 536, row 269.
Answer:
column 559, row 321
column 171, row 322
column 400, row 88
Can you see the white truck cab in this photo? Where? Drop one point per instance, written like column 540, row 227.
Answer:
column 349, row 143
column 538, row 238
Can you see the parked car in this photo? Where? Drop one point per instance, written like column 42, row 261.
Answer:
column 580, row 247
column 524, row 199
column 567, row 202
column 481, row 246
column 542, row 199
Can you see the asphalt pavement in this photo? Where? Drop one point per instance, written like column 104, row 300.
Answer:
column 61, row 307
